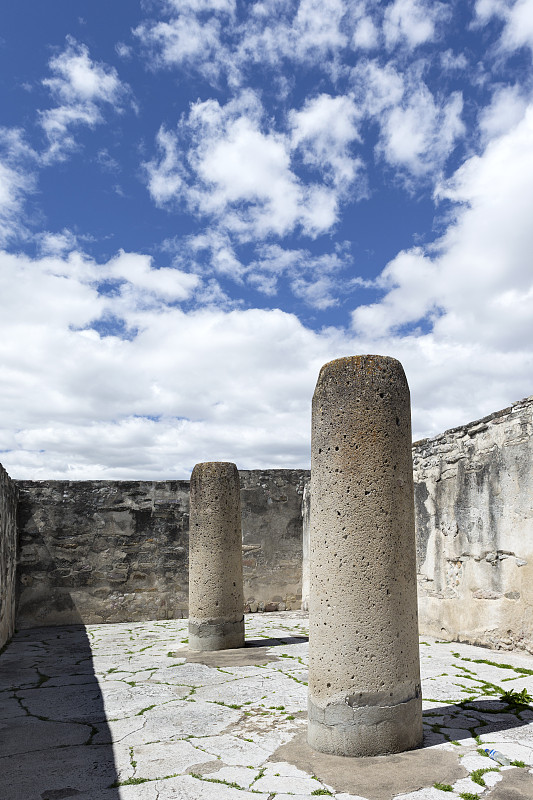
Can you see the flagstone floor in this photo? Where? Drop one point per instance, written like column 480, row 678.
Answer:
column 125, row 712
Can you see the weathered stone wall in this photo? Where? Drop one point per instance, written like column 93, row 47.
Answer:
column 271, row 502
column 8, row 555
column 102, row 551
column 474, row 512
column 115, row 551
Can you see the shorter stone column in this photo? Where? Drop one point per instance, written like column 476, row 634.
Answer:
column 216, row 598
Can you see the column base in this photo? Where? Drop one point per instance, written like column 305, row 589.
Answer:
column 371, row 730
column 216, row 634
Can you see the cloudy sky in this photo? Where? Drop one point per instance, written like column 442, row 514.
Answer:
column 203, row 201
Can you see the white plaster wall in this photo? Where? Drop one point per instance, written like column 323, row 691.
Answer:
column 474, row 519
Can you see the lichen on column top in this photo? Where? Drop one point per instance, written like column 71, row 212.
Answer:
column 364, row 675
column 216, row 598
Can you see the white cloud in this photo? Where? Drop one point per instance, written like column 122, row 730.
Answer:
column 519, row 28
column 506, row 109
column 164, row 398
column 222, row 257
column 324, row 130
column 221, row 6
column 184, row 40
column 366, row 34
column 304, row 32
column 208, row 37
column 58, row 243
column 377, row 87
column 79, row 79
column 472, row 293
column 81, row 87
column 419, row 135
column 164, row 173
column 412, row 22
column 452, row 62
column 231, row 166
column 517, row 16
column 17, row 180
column 485, row 9
column 184, row 386
column 314, row 279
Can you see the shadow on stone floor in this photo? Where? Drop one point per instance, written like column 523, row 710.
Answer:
column 473, row 718
column 55, row 742
column 254, row 652
column 279, row 641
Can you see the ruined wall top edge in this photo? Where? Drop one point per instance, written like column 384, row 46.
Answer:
column 516, row 408
column 145, row 484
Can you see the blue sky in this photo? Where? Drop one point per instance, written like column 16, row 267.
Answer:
column 202, row 201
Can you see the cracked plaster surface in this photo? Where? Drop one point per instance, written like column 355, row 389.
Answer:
column 118, row 712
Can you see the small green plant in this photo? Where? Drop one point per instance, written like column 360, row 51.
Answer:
column 141, row 712
column 477, row 775
column 518, row 763
column 514, row 698
column 469, row 796
column 444, row 787
column 129, row 782
column 322, row 791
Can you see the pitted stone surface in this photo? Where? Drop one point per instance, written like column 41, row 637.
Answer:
column 364, row 680
column 216, row 598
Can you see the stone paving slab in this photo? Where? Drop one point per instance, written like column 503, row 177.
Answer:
column 126, row 712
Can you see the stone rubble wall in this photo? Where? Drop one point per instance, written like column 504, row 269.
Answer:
column 117, row 551
column 8, row 555
column 474, row 515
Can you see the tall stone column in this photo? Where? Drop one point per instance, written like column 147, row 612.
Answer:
column 364, row 673
column 216, row 598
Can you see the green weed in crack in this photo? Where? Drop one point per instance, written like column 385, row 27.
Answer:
column 259, row 775
column 519, row 670
column 444, row 787
column 226, row 705
column 148, row 708
column 129, row 782
column 477, row 775
column 231, row 784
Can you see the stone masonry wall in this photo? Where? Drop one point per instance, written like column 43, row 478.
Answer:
column 474, row 514
column 8, row 556
column 115, row 551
